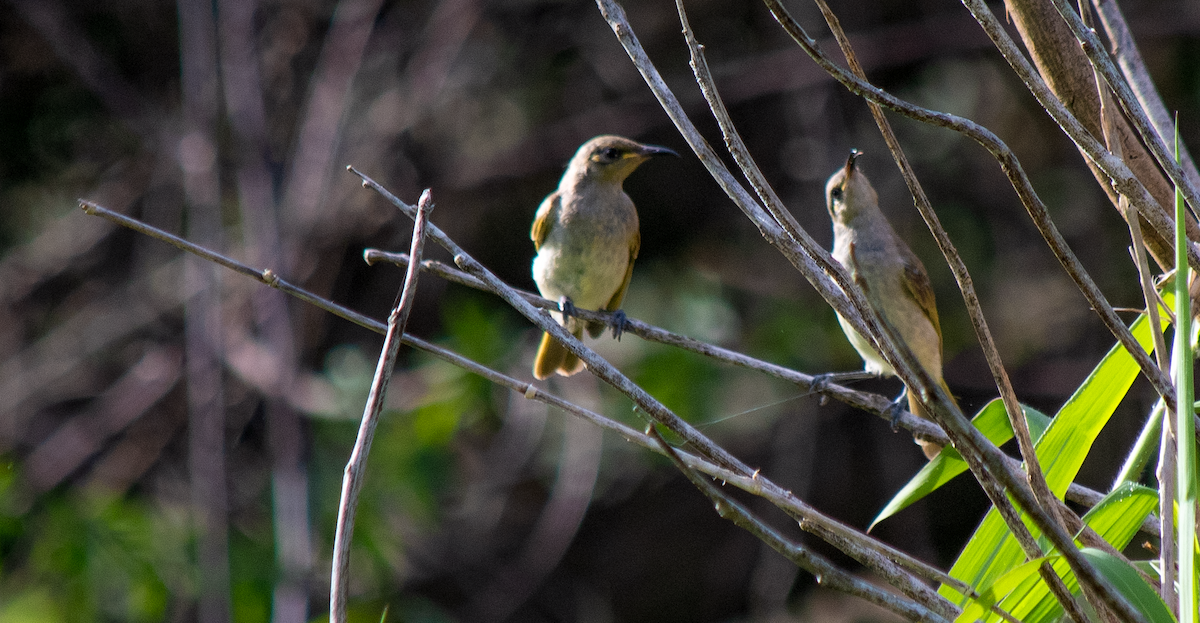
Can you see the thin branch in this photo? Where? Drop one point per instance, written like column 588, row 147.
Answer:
column 826, row 573
column 355, row 473
column 1138, row 75
column 1129, row 103
column 597, row 364
column 875, row 404
column 882, row 558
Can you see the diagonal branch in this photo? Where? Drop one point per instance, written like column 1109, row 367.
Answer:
column 597, row 364
column 1016, row 415
column 826, row 573
column 969, row 441
column 898, row 567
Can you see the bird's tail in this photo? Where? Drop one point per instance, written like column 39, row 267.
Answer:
column 553, row 357
column 930, row 448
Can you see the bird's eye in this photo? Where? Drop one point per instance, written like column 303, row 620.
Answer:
column 610, row 154
column 836, row 193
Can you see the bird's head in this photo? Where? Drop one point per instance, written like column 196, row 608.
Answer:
column 848, row 191
column 612, row 158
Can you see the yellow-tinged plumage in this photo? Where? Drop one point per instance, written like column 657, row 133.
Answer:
column 586, row 235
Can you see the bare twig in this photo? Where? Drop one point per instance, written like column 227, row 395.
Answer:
column 969, row 441
column 598, row 365
column 875, row 404
column 356, row 467
column 1140, row 82
column 889, row 562
column 826, row 573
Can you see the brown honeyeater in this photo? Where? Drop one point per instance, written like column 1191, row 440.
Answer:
column 586, row 236
column 894, row 280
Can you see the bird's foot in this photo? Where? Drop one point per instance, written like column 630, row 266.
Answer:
column 619, row 322
column 895, row 409
column 820, row 382
column 566, row 307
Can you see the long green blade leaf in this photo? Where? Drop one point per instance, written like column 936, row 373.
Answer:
column 993, row 422
column 992, row 551
column 1185, row 484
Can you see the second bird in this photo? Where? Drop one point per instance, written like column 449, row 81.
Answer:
column 894, row 280
column 586, row 235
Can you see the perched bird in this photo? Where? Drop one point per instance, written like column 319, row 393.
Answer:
column 586, row 236
column 892, row 277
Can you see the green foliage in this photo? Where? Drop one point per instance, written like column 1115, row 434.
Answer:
column 1021, row 591
column 991, row 559
column 89, row 557
column 993, row 422
column 661, row 371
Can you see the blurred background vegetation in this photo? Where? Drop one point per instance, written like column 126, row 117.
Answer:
column 480, row 505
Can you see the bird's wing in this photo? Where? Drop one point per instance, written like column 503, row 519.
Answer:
column 547, row 216
column 916, row 282
column 635, row 245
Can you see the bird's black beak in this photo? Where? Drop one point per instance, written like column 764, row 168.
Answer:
column 656, row 150
column 854, row 154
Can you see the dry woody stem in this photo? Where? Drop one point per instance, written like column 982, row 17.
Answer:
column 356, row 467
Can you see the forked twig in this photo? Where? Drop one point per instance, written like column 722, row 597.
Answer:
column 889, row 562
column 1016, row 414
column 352, row 479
column 826, row 573
column 872, row 403
column 970, row 443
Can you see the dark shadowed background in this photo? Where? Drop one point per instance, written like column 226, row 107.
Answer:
column 480, row 505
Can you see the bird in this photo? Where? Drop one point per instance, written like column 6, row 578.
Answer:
column 587, row 238
column 892, row 277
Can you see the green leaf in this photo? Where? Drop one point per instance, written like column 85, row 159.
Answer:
column 1011, row 590
column 1129, row 584
column 1116, row 519
column 992, row 551
column 1003, row 586
column 1120, row 514
column 993, row 422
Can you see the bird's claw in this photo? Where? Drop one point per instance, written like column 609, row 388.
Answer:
column 820, row 382
column 895, row 409
column 619, row 322
column 566, row 307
